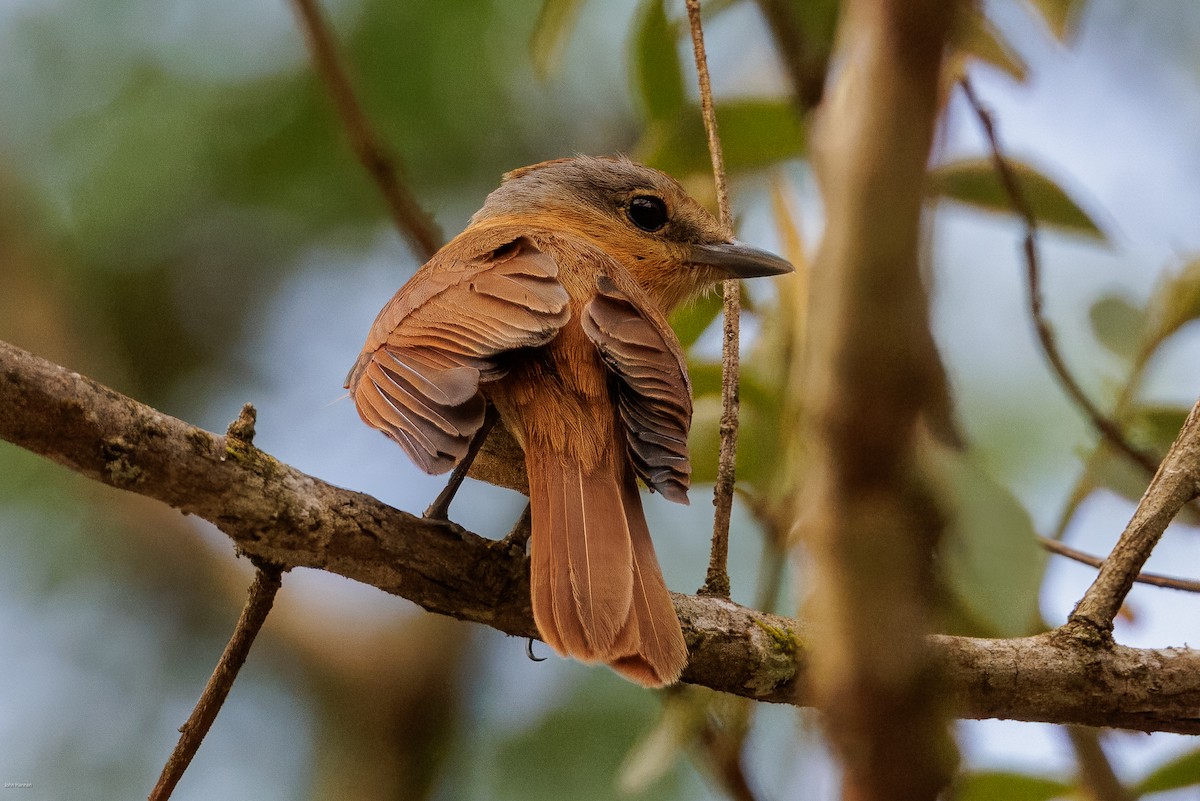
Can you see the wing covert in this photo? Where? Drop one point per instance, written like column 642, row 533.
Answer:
column 654, row 394
column 446, row 330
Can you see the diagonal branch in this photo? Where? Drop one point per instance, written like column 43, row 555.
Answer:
column 411, row 220
column 275, row 513
column 1108, row 428
column 1176, row 483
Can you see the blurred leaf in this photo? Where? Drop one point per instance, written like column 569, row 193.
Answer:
column 661, row 749
column 551, row 32
column 989, row 553
column 656, row 67
column 758, row 430
column 579, row 746
column 1175, row 302
column 1118, row 324
column 979, row 38
column 1060, row 16
column 1183, row 771
column 1156, row 427
column 754, row 133
column 693, row 319
column 1001, row 786
column 975, row 182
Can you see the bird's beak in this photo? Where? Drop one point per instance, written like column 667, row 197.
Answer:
column 737, row 260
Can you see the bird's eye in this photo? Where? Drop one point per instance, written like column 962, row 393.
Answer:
column 647, row 212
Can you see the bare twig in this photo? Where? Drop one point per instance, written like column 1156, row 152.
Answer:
column 1108, row 428
column 716, row 582
column 413, row 222
column 274, row 512
column 1153, row 579
column 254, row 614
column 1176, row 483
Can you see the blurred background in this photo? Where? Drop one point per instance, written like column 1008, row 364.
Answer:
column 182, row 219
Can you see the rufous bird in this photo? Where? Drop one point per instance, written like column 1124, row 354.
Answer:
column 552, row 306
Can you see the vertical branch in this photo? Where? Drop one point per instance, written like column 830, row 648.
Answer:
column 872, row 522
column 716, row 581
column 413, row 222
column 254, row 614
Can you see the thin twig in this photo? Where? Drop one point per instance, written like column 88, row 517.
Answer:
column 1097, row 778
column 1107, row 427
column 254, row 614
column 1153, row 579
column 1175, row 483
column 716, row 582
column 413, row 222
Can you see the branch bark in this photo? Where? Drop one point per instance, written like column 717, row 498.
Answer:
column 277, row 513
column 873, row 522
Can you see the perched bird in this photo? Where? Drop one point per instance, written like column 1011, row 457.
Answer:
column 552, row 306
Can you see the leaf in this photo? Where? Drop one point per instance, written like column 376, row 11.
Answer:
column 754, row 134
column 693, row 319
column 989, row 554
column 656, row 67
column 978, row 38
column 553, row 28
column 1003, row 786
column 1183, row 771
column 1174, row 303
column 665, row 745
column 975, row 182
column 1118, row 325
column 1060, row 16
column 1155, row 428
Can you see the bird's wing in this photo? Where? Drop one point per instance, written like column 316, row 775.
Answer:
column 418, row 377
column 654, row 393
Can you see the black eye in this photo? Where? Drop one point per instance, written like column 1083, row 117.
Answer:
column 647, row 212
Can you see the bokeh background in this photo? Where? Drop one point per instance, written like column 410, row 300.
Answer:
column 182, row 219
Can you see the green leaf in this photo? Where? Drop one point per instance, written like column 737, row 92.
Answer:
column 980, row 39
column 1118, row 324
column 1001, row 786
column 975, row 182
column 754, row 134
column 989, row 553
column 1174, row 303
column 1156, row 427
column 1183, row 771
column 693, row 319
column 1060, row 16
column 553, row 28
column 656, row 67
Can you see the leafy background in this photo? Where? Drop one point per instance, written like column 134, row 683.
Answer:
column 182, row 219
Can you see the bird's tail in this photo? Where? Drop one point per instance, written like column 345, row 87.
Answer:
column 598, row 593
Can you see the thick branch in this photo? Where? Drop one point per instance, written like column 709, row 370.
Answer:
column 276, row 513
column 873, row 523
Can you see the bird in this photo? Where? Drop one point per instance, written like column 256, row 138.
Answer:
column 551, row 306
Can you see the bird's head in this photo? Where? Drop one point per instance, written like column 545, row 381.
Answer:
column 641, row 217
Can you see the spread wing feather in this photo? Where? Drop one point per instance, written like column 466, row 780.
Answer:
column 654, row 395
column 417, row 380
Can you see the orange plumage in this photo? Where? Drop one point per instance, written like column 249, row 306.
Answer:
column 551, row 306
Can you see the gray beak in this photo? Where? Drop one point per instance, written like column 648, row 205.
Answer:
column 736, row 260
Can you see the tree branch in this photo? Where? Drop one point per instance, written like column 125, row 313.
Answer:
column 278, row 514
column 410, row 219
column 1176, row 483
column 716, row 581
